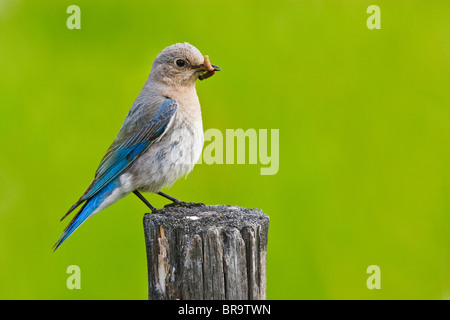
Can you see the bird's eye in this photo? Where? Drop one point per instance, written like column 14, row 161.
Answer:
column 180, row 62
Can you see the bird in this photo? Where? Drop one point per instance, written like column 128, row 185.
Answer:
column 159, row 141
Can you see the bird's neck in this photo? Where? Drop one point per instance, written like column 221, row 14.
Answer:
column 183, row 94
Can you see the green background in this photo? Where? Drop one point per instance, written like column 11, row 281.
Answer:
column 363, row 117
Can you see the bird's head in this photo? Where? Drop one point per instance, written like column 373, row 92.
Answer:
column 181, row 64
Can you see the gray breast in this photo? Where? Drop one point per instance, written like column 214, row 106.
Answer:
column 171, row 157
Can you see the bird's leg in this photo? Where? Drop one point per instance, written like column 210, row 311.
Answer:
column 170, row 197
column 140, row 196
column 179, row 203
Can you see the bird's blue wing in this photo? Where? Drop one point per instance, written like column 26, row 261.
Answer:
column 119, row 157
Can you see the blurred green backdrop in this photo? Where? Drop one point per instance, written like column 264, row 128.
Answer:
column 364, row 128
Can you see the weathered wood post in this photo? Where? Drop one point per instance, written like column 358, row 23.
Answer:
column 208, row 252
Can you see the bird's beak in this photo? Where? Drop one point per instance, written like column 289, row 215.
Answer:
column 209, row 68
column 203, row 68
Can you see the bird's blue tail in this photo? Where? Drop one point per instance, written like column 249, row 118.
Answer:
column 86, row 211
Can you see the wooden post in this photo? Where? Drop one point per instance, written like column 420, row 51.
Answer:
column 209, row 252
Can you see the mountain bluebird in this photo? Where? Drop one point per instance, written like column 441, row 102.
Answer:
column 160, row 140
